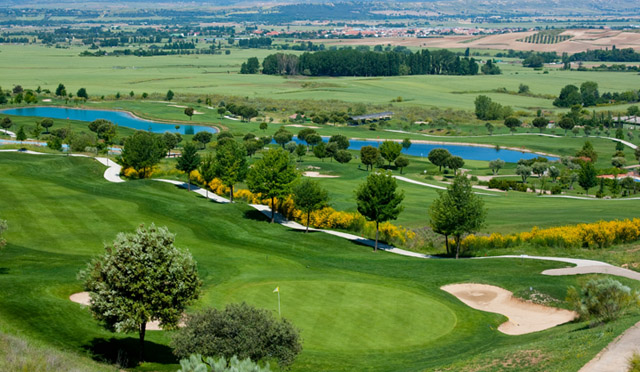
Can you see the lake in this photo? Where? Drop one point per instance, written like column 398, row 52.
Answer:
column 121, row 118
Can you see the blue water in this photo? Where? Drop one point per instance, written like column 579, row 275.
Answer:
column 121, row 118
column 465, row 152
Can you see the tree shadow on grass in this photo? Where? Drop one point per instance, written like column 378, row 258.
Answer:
column 256, row 215
column 4, row 270
column 124, row 351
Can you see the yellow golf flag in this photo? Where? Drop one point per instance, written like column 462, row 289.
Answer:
column 277, row 289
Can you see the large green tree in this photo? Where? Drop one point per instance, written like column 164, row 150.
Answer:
column 142, row 277
column 457, row 211
column 587, row 176
column 368, row 156
column 340, row 140
column 188, row 161
column 272, row 176
column 309, row 196
column 378, row 201
column 142, row 151
column 390, row 150
column 439, row 157
column 207, row 170
column 231, row 164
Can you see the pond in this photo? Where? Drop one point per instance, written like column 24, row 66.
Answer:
column 464, row 151
column 121, row 118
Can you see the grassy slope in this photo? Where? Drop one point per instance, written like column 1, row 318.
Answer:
column 61, row 211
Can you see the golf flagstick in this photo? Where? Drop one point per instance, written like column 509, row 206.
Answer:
column 278, row 290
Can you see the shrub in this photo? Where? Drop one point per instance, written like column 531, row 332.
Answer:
column 602, row 299
column 634, row 363
column 196, row 363
column 241, row 330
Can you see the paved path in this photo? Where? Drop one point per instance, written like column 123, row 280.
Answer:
column 405, row 179
column 586, row 198
column 614, row 357
column 112, row 173
column 196, row 189
column 11, row 134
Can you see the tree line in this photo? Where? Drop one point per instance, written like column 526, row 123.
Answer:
column 355, row 62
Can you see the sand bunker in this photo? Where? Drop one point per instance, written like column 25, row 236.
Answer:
column 317, row 175
column 82, row 298
column 178, row 106
column 301, row 126
column 524, row 317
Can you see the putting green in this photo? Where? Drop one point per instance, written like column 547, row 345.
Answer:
column 341, row 316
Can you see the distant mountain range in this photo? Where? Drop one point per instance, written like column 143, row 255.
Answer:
column 619, row 8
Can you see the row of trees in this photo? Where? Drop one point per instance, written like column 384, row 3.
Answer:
column 588, row 95
column 354, row 62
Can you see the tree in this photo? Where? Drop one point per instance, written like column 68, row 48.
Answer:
column 566, row 123
column 188, row 161
column 587, row 177
column 231, row 164
column 46, row 124
column 589, row 93
column 82, row 93
column 291, row 146
column 341, row 141
column 300, row 151
column 198, row 363
column 439, row 157
column 554, row 173
column 313, row 139
column 618, row 161
column 406, row 143
column 141, row 277
column 6, row 123
column 169, row 95
column 252, row 66
column 368, row 156
column 37, row 130
column 342, row 156
column 204, row 138
column 331, row 150
column 540, row 123
column 512, row 123
column 496, row 165
column 378, row 201
column 523, row 171
column 457, row 211
column 207, row 170
column 569, row 96
column 539, row 168
column 455, row 163
column 142, row 151
column 189, row 111
column 489, row 128
column 587, row 151
column 282, row 137
column 252, row 146
column 309, row 196
column 104, row 130
column 401, row 162
column 320, row 151
column 272, row 176
column 221, row 111
column 264, row 126
column 21, row 136
column 390, row 150
column 241, row 330
column 305, row 132
column 603, row 299
column 61, row 91
column 171, row 140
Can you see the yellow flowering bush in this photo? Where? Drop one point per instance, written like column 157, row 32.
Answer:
column 587, row 235
column 130, row 173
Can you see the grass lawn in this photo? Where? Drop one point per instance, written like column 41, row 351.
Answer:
column 356, row 310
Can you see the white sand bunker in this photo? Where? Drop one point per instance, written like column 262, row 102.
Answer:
column 317, row 175
column 301, row 126
column 82, row 298
column 524, row 317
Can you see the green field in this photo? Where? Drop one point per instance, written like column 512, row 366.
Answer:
column 356, row 310
column 34, row 65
